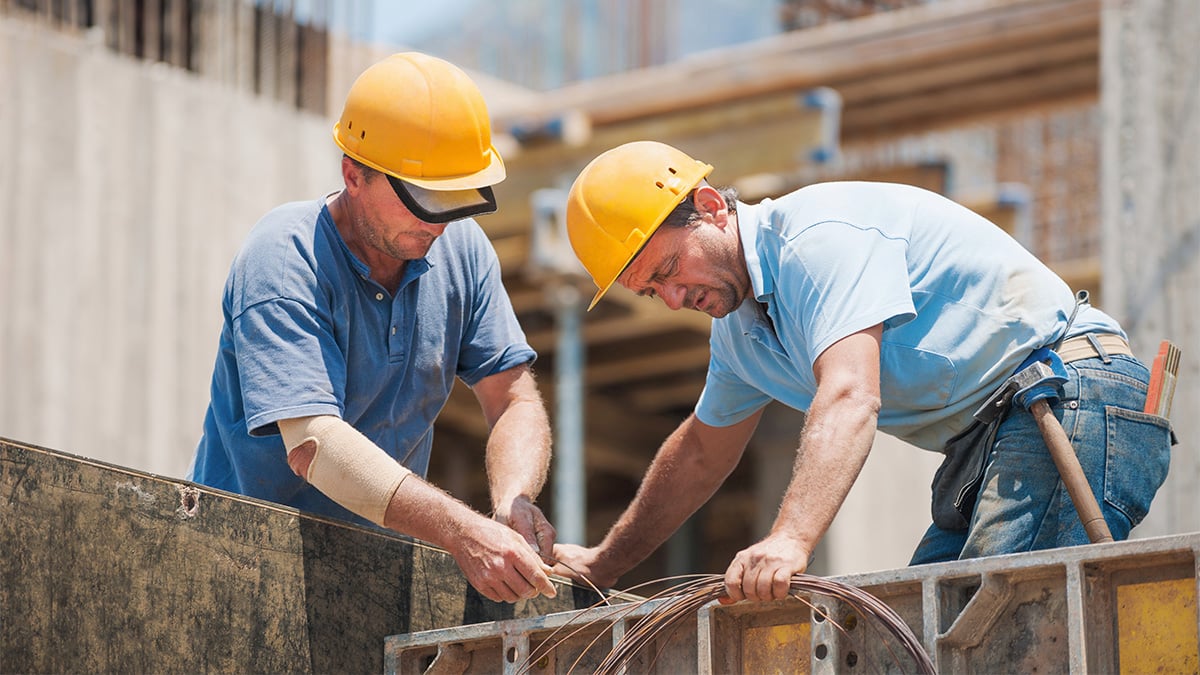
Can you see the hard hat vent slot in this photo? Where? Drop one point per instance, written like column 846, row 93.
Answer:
column 363, row 134
column 659, row 184
column 672, row 169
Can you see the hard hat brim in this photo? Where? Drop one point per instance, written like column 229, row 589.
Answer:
column 493, row 173
column 604, row 289
column 444, row 206
column 599, row 294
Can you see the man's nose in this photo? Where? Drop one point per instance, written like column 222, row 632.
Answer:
column 674, row 296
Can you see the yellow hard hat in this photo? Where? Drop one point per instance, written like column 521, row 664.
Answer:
column 423, row 121
column 619, row 200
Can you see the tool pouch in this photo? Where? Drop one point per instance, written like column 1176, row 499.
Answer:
column 957, row 481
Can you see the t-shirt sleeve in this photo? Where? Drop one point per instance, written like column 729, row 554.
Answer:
column 288, row 362
column 492, row 339
column 727, row 399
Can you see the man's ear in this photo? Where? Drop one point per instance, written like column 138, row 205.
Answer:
column 709, row 202
column 352, row 175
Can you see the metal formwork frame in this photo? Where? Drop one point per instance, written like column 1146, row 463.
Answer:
column 1120, row 607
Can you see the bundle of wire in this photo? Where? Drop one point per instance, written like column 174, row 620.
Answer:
column 672, row 607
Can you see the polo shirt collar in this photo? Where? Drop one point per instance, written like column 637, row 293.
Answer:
column 412, row 270
column 749, row 220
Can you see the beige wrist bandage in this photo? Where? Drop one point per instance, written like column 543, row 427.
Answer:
column 347, row 467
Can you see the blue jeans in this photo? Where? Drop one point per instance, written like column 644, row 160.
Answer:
column 1023, row 505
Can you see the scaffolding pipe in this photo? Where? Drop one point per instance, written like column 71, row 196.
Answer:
column 570, row 487
column 552, row 262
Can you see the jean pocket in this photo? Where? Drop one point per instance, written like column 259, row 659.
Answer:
column 1138, row 456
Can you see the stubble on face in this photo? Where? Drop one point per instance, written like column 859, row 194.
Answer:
column 712, row 273
column 410, row 243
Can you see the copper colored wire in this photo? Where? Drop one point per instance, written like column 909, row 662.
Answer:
column 673, row 606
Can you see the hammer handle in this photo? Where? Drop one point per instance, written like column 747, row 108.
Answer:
column 1071, row 472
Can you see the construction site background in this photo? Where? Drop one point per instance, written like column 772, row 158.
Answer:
column 132, row 163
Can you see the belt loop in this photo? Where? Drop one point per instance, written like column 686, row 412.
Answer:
column 1095, row 342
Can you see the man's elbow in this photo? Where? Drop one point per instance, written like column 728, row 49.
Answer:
column 300, row 457
column 869, row 404
column 869, row 401
column 301, row 447
column 854, row 396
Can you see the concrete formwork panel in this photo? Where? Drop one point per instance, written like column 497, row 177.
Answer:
column 106, row 569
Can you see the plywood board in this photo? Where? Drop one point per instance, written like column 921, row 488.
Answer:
column 106, row 569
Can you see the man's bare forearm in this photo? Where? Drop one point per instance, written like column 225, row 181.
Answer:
column 689, row 467
column 518, row 452
column 839, row 431
column 833, row 449
column 518, row 448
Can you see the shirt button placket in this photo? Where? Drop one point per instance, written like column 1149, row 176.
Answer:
column 395, row 344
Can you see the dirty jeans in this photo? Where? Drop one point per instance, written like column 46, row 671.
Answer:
column 1023, row 505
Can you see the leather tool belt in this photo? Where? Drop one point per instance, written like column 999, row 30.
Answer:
column 957, row 481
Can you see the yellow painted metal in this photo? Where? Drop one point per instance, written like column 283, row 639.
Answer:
column 777, row 650
column 1156, row 627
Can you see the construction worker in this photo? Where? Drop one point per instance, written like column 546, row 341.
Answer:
column 864, row 305
column 348, row 318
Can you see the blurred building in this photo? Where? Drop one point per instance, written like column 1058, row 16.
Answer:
column 177, row 123
column 543, row 44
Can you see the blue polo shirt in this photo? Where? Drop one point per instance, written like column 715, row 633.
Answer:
column 307, row 332
column 962, row 305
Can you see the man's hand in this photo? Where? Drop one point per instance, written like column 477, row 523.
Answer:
column 578, row 562
column 764, row 571
column 500, row 564
column 528, row 520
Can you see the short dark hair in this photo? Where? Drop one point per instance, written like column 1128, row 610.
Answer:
column 686, row 213
column 368, row 172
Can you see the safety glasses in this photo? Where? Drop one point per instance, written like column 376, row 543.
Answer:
column 443, row 206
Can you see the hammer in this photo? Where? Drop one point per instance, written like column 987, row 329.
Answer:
column 1033, row 386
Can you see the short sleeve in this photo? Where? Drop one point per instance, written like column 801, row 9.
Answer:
column 288, row 362
column 492, row 339
column 727, row 399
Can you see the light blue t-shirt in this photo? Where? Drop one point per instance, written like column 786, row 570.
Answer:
column 307, row 332
column 961, row 302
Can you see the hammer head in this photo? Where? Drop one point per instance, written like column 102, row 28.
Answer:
column 1040, row 377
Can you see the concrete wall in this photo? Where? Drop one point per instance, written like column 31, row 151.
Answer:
column 1151, row 212
column 125, row 189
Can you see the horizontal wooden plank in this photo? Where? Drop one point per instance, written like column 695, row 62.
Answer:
column 886, row 44
column 785, row 131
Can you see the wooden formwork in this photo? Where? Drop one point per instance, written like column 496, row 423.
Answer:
column 1122, row 607
column 105, row 569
